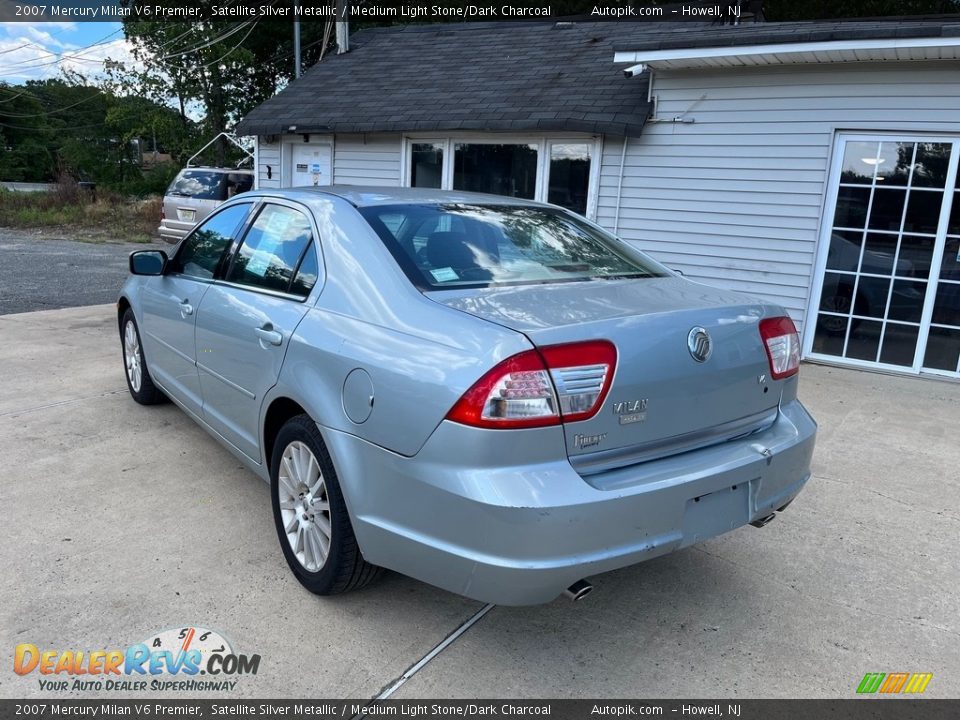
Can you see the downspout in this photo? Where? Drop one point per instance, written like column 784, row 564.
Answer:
column 652, row 102
column 623, row 161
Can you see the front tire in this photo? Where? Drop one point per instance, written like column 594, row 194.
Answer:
column 139, row 382
column 310, row 515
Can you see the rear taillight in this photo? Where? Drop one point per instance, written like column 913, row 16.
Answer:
column 537, row 388
column 782, row 343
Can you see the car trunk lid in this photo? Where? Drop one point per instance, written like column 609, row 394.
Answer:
column 663, row 399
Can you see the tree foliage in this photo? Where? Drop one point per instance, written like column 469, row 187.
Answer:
column 68, row 126
column 218, row 68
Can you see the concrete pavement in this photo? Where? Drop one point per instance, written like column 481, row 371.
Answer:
column 119, row 521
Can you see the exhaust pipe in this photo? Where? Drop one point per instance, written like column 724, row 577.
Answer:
column 763, row 521
column 579, row 590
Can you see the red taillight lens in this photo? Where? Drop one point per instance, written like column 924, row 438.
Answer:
column 581, row 373
column 540, row 388
column 782, row 343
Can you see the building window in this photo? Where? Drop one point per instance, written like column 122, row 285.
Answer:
column 889, row 287
column 426, row 165
column 509, row 170
column 569, row 178
column 558, row 170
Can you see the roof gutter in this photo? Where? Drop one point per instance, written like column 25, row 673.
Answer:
column 797, row 52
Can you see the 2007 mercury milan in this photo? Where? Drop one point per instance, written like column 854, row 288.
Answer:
column 492, row 395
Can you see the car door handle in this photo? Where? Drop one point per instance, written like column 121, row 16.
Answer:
column 186, row 308
column 268, row 335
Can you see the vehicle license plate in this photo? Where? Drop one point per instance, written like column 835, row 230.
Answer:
column 710, row 515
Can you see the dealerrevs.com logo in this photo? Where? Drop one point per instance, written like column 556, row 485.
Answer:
column 171, row 660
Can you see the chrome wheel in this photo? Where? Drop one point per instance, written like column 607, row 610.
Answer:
column 131, row 356
column 304, row 506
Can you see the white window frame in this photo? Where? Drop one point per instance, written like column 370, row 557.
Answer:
column 542, row 142
column 823, row 248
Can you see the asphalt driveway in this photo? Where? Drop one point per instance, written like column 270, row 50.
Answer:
column 119, row 521
column 43, row 273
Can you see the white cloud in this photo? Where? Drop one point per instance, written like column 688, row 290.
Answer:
column 31, row 53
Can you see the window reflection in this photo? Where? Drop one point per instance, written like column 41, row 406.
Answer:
column 500, row 169
column 426, row 165
column 569, row 176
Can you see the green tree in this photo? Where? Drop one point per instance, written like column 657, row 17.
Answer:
column 222, row 69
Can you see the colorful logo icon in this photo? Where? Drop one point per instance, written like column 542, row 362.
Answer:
column 894, row 683
column 186, row 652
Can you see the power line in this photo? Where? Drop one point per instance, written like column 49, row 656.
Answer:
column 96, row 94
column 28, row 44
column 51, row 129
column 231, row 50
column 11, row 99
column 208, row 43
column 59, row 58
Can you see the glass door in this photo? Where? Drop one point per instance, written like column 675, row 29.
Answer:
column 942, row 352
column 882, row 279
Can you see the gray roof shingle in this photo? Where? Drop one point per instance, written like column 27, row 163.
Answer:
column 526, row 76
column 477, row 76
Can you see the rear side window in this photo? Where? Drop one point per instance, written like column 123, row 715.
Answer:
column 478, row 245
column 200, row 184
column 273, row 249
column 201, row 251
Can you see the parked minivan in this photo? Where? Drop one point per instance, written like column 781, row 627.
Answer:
column 193, row 195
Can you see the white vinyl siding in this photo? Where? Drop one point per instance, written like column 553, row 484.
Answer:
column 357, row 159
column 366, row 160
column 268, row 156
column 734, row 198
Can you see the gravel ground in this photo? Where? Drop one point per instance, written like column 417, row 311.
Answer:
column 42, row 273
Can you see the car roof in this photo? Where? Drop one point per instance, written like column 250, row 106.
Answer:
column 367, row 196
column 207, row 168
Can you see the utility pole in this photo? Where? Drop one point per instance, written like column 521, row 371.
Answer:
column 296, row 38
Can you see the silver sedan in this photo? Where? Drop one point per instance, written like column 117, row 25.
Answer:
column 492, row 395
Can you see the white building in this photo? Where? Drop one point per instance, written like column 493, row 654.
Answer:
column 812, row 164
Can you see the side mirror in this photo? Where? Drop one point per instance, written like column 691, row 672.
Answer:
column 148, row 262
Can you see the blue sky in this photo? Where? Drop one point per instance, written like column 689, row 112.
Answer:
column 33, row 51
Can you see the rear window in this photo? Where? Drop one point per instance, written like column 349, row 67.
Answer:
column 443, row 246
column 209, row 185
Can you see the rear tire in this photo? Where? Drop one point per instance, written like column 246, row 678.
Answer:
column 310, row 515
column 139, row 382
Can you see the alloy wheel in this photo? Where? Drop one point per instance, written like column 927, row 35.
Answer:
column 304, row 506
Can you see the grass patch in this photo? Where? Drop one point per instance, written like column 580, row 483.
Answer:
column 73, row 212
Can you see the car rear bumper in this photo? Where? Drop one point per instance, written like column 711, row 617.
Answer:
column 174, row 231
column 460, row 516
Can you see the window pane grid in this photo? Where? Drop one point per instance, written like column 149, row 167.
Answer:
column 875, row 290
column 873, row 231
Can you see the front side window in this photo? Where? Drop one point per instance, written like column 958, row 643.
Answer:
column 272, row 249
column 201, row 251
column 444, row 246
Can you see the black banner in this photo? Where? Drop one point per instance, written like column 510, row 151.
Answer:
column 859, row 709
column 424, row 11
